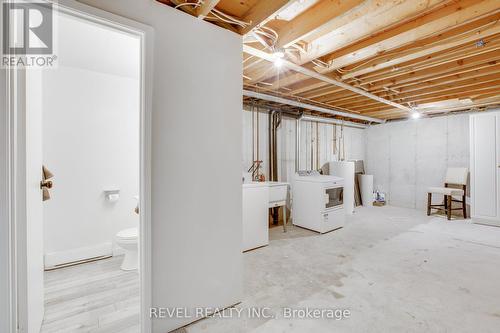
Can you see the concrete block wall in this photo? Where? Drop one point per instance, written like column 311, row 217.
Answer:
column 407, row 157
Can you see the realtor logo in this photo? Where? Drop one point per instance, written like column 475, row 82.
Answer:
column 28, row 30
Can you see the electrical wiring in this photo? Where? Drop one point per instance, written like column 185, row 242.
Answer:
column 271, row 31
column 261, row 40
column 320, row 63
column 263, row 33
column 299, row 48
column 221, row 18
column 242, row 24
column 218, row 15
column 269, row 36
column 189, row 4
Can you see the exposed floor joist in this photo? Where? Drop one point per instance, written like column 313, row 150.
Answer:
column 378, row 58
column 312, row 19
column 261, row 13
column 313, row 74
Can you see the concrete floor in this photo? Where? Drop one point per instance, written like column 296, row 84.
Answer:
column 394, row 269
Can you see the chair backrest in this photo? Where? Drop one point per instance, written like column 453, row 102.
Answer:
column 456, row 176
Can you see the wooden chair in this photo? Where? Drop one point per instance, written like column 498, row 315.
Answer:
column 454, row 177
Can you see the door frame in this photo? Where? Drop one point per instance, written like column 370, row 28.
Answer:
column 12, row 189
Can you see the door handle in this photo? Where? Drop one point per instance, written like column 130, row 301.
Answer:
column 45, row 183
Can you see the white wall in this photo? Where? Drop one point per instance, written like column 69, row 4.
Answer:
column 90, row 143
column 406, row 157
column 354, row 143
column 90, row 139
column 196, row 159
column 5, row 287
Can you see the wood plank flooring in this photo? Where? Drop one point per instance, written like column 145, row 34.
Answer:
column 93, row 297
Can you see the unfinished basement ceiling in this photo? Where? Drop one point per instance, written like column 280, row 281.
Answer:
column 383, row 59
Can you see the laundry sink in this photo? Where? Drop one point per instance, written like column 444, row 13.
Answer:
column 277, row 193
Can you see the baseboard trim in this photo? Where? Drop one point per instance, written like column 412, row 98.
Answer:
column 56, row 259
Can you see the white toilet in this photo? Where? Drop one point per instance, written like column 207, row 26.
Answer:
column 128, row 239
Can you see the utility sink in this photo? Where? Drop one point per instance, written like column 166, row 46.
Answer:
column 277, row 193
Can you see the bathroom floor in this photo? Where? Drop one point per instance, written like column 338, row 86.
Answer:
column 92, row 297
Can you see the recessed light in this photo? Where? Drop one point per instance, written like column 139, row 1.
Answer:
column 415, row 115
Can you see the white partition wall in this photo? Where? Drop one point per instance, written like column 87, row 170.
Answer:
column 485, row 166
column 196, row 159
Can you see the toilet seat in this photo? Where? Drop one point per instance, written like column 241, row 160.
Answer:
column 128, row 234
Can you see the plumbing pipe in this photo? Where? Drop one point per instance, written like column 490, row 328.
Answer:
column 334, row 112
column 297, row 144
column 333, row 121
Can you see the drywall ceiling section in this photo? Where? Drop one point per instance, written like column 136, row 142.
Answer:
column 407, row 157
column 98, row 48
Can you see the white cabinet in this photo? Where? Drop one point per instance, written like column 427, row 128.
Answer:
column 485, row 167
column 255, row 215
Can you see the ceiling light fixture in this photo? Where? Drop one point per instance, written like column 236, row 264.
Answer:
column 278, row 62
column 279, row 54
column 415, row 115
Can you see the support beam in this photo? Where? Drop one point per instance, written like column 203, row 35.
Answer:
column 313, row 18
column 313, row 74
column 333, row 112
column 261, row 12
column 205, row 8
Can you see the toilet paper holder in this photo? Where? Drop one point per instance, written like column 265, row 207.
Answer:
column 112, row 194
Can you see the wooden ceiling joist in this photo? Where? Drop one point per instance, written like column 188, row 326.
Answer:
column 474, row 62
column 382, row 14
column 419, row 54
column 261, row 12
column 313, row 74
column 479, row 75
column 313, row 18
column 379, row 58
column 420, row 28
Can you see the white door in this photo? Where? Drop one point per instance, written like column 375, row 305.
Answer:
column 484, row 166
column 497, row 167
column 30, row 227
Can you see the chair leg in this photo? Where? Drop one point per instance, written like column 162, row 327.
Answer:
column 445, row 202
column 448, row 209
column 429, row 201
column 464, row 207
